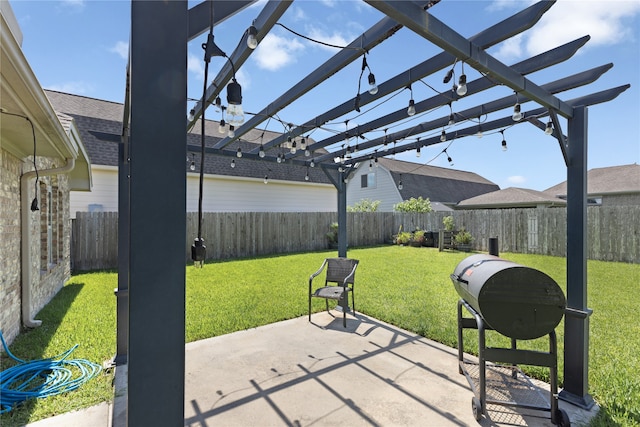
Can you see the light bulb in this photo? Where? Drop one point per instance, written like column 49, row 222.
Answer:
column 504, row 145
column 479, row 133
column 252, row 40
column 312, row 164
column 400, row 185
column 233, row 163
column 370, row 165
column 411, row 110
column 239, row 152
column 294, row 149
column 517, row 115
column 452, row 120
column 373, row 88
column 235, row 114
column 266, row 179
column 462, row 85
column 261, row 153
column 450, row 160
column 443, row 136
column 192, row 166
column 232, row 131
column 376, row 162
column 303, row 144
column 549, row 129
column 192, row 114
column 218, row 104
column 223, row 127
column 279, row 159
column 307, row 153
column 306, row 177
column 418, row 152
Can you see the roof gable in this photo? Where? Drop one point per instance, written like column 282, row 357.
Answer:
column 511, row 197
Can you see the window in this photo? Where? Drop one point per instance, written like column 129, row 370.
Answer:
column 368, row 180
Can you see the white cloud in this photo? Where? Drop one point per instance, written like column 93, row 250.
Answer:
column 329, row 3
column 335, row 38
column 502, row 4
column 121, row 48
column 298, row 14
column 275, row 52
column 510, row 48
column 76, row 4
column 195, row 65
column 568, row 20
column 516, row 179
column 77, row 88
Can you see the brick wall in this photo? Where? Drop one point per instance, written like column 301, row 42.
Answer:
column 49, row 268
column 10, row 170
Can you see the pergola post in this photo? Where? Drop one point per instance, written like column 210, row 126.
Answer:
column 342, row 216
column 122, row 292
column 576, row 323
column 158, row 86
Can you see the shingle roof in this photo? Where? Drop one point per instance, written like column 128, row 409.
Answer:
column 609, row 180
column 447, row 186
column 511, row 197
column 100, row 126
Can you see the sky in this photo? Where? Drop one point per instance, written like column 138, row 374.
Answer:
column 81, row 46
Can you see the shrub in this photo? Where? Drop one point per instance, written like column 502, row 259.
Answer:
column 447, row 221
column 463, row 237
column 364, row 205
column 413, row 205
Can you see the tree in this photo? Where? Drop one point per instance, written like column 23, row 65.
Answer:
column 364, row 205
column 413, row 205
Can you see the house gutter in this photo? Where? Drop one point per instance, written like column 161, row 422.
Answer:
column 27, row 253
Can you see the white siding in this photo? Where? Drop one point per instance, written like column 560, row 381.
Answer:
column 226, row 194
column 104, row 191
column 221, row 194
column 384, row 190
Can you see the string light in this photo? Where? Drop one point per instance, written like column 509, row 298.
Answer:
column 261, row 153
column 504, row 141
column 549, row 129
column 452, row 118
column 479, row 133
column 373, row 88
column 418, row 148
column 443, row 136
column 303, row 143
column 192, row 166
column 218, row 104
column 234, row 100
column 266, row 179
column 222, row 129
column 312, row 163
column 233, row 163
column 449, row 159
column 239, row 152
column 400, row 186
column 252, row 40
column 192, row 114
column 517, row 114
column 306, row 177
column 294, row 148
column 232, row 131
column 462, row 83
column 411, row 110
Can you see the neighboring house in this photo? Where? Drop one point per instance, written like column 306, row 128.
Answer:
column 34, row 243
column 609, row 186
column 443, row 187
column 512, row 197
column 226, row 189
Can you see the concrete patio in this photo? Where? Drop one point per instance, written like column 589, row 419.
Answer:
column 299, row 373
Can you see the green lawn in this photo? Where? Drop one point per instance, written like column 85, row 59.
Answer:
column 408, row 287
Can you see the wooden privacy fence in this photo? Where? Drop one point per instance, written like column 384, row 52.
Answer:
column 613, row 232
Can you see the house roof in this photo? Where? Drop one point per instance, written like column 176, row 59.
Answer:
column 511, row 197
column 100, row 126
column 447, row 186
column 622, row 179
column 27, row 114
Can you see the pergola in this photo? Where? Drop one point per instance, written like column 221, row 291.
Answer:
column 152, row 170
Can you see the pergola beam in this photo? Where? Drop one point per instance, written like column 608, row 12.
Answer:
column 505, row 29
column 267, row 18
column 426, row 25
column 587, row 100
column 375, row 35
column 528, row 66
column 200, row 15
column 561, row 85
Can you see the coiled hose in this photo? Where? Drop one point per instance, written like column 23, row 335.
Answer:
column 42, row 378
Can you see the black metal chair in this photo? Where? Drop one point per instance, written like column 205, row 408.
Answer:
column 342, row 272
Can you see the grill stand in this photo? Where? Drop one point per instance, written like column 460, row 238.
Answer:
column 476, row 373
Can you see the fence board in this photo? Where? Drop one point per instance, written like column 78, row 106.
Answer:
column 614, row 232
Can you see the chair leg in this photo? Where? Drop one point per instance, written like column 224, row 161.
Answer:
column 326, row 301
column 309, row 307
column 353, row 301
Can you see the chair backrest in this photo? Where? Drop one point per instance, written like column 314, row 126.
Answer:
column 339, row 268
